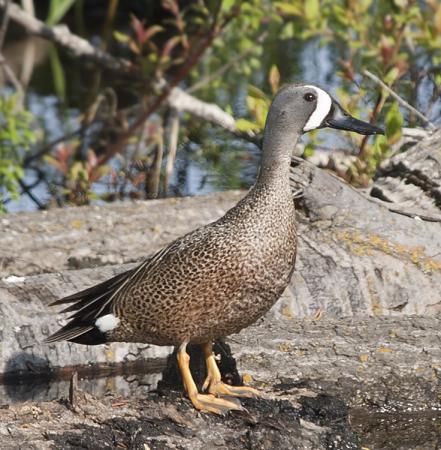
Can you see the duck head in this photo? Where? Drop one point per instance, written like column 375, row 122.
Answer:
column 329, row 113
column 310, row 108
column 297, row 109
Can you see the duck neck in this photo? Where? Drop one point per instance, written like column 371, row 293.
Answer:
column 278, row 145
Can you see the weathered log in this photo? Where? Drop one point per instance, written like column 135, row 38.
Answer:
column 74, row 238
column 412, row 180
column 321, row 381
column 357, row 257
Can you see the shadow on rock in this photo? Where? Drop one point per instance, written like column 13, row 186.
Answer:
column 171, row 377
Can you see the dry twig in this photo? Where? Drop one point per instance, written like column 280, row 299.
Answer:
column 173, row 136
column 402, row 102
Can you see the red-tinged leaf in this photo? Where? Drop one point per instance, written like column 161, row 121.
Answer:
column 170, row 45
column 134, row 47
column 403, row 67
column 97, row 173
column 172, row 6
column 348, row 71
column 151, row 31
column 113, row 177
column 92, row 160
column 138, row 27
column 138, row 179
column 387, row 48
column 63, row 152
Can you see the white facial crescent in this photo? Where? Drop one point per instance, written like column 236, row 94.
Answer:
column 324, row 104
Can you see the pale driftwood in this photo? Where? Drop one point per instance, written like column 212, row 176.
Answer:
column 75, row 238
column 355, row 257
column 62, row 35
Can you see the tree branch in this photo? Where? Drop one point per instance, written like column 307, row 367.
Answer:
column 61, row 35
column 175, row 97
column 183, row 102
column 402, row 102
column 4, row 24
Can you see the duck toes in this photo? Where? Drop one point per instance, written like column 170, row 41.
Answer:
column 221, row 277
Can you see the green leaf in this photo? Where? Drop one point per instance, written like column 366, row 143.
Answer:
column 287, row 31
column 57, row 73
column 57, row 10
column 227, row 5
column 77, row 172
column 121, row 37
column 255, row 92
column 401, row 3
column 381, row 147
column 364, row 5
column 394, row 123
column 391, row 76
column 246, row 125
column 290, row 9
column 312, row 9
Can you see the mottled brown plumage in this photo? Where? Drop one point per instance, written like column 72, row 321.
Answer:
column 215, row 280
column 219, row 278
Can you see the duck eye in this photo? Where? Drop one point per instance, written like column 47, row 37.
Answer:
column 309, row 97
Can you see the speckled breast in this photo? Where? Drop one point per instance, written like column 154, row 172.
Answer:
column 214, row 281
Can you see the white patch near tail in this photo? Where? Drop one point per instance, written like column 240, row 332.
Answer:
column 107, row 323
column 324, row 103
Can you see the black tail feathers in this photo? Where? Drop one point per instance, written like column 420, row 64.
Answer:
column 89, row 305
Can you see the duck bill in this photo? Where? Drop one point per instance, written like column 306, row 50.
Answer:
column 338, row 118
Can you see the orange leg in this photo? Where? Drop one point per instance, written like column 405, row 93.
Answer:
column 214, row 384
column 202, row 402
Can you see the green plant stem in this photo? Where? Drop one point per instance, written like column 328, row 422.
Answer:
column 378, row 106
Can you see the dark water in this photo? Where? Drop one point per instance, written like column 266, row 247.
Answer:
column 213, row 160
column 119, row 380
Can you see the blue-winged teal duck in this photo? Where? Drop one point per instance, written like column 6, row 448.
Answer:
column 219, row 278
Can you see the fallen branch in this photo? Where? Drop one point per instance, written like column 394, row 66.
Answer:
column 184, row 102
column 172, row 141
column 392, row 207
column 61, row 35
column 170, row 94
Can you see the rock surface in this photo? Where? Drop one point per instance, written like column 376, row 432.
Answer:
column 353, row 344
